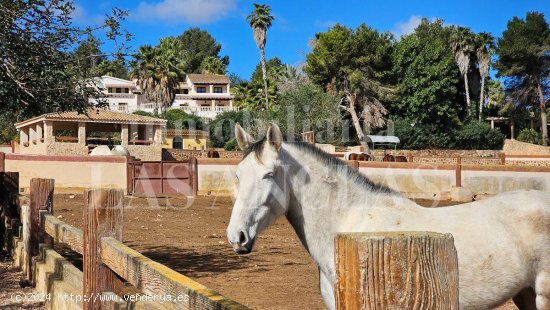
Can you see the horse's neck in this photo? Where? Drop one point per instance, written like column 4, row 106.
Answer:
column 321, row 196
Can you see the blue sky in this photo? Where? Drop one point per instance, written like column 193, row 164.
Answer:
column 296, row 22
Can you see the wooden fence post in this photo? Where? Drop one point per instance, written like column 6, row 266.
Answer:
column 396, row 270
column 2, row 162
column 10, row 200
column 41, row 200
column 194, row 175
column 458, row 172
column 502, row 156
column 102, row 218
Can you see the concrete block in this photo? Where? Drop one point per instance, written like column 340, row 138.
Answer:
column 461, row 194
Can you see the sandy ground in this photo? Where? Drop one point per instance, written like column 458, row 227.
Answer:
column 189, row 237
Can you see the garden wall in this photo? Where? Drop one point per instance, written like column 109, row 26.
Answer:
column 428, row 181
column 71, row 173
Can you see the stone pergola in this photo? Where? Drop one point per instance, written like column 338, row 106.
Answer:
column 67, row 133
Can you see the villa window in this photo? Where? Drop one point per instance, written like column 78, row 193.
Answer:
column 185, row 91
column 127, row 90
column 201, row 90
column 110, row 90
column 218, row 90
column 118, row 90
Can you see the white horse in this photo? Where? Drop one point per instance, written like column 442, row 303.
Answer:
column 503, row 243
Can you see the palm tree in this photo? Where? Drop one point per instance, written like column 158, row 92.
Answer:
column 463, row 45
column 158, row 71
column 213, row 65
column 484, row 51
column 260, row 20
column 359, row 93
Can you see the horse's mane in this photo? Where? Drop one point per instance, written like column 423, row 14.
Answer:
column 330, row 161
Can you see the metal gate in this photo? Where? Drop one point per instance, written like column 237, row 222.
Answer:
column 162, row 177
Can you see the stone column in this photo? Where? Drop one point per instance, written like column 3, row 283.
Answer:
column 32, row 133
column 24, row 135
column 492, row 124
column 39, row 134
column 124, row 134
column 211, row 89
column 213, row 104
column 146, row 132
column 82, row 133
column 157, row 135
column 48, row 131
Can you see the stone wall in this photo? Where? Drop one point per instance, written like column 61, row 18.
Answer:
column 65, row 149
column 146, row 152
column 514, row 147
column 177, row 154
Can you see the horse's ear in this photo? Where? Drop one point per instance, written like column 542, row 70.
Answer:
column 274, row 136
column 243, row 138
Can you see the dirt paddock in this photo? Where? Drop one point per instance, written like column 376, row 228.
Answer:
column 189, row 237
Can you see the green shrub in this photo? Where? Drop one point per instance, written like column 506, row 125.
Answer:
column 144, row 113
column 479, row 136
column 418, row 136
column 529, row 135
column 179, row 119
column 231, row 145
column 221, row 129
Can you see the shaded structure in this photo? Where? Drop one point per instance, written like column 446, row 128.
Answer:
column 187, row 139
column 72, row 133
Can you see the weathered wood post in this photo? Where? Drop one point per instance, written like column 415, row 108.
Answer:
column 10, row 201
column 458, row 171
column 41, row 200
column 2, row 162
column 502, row 157
column 194, row 175
column 396, row 270
column 102, row 218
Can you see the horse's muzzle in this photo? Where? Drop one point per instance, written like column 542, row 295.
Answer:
column 239, row 249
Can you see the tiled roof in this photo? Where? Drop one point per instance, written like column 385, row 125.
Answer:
column 94, row 115
column 208, row 79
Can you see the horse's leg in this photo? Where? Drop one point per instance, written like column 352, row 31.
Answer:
column 542, row 289
column 525, row 299
column 327, row 291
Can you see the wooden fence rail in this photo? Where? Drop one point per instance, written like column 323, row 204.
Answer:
column 107, row 262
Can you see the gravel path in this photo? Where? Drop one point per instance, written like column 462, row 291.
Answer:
column 10, row 290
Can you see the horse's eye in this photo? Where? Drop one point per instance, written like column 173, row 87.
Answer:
column 269, row 175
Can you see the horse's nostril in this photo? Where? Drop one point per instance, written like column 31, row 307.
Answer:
column 242, row 237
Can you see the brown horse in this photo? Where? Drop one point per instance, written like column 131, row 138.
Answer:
column 401, row 159
column 388, row 157
column 212, row 154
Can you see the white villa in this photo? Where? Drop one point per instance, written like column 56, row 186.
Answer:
column 205, row 95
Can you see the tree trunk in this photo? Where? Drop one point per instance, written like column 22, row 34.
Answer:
column 467, row 88
column 264, row 74
column 543, row 125
column 356, row 123
column 481, row 97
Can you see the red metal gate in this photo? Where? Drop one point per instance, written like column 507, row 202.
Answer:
column 163, row 177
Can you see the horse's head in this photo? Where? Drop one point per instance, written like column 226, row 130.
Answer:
column 262, row 195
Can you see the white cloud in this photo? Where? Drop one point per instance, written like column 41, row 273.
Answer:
column 183, row 11
column 404, row 28
column 81, row 17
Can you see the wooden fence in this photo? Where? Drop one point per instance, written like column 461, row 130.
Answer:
column 396, row 270
column 108, row 265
